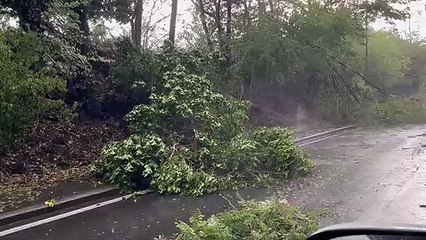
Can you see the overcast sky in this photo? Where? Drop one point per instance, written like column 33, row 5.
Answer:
column 416, row 23
column 417, row 9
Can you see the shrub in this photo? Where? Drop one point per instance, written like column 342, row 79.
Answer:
column 27, row 92
column 258, row 157
column 130, row 162
column 200, row 142
column 393, row 110
column 279, row 154
column 182, row 102
column 397, row 110
column 264, row 220
column 177, row 176
column 133, row 73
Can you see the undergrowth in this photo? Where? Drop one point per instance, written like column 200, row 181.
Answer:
column 28, row 91
column 395, row 110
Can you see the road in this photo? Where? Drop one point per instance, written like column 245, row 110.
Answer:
column 376, row 175
column 367, row 175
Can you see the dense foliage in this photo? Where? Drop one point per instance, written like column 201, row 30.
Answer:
column 29, row 92
column 393, row 67
column 192, row 140
column 304, row 54
column 264, row 220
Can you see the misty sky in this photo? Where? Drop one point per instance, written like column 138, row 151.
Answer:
column 417, row 21
column 417, row 9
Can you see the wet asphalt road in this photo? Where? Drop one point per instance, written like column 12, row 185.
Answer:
column 363, row 175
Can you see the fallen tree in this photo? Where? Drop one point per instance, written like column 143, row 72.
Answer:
column 192, row 140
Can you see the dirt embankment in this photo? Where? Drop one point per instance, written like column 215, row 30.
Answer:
column 59, row 145
column 50, row 154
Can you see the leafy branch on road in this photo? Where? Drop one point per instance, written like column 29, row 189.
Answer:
column 261, row 220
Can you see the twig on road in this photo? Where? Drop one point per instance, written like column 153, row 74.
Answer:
column 229, row 202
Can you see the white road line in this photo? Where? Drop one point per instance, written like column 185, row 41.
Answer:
column 318, row 140
column 63, row 215
column 321, row 134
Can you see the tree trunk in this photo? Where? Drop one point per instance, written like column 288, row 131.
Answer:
column 173, row 17
column 262, row 8
column 83, row 20
column 83, row 25
column 228, row 39
column 271, row 5
column 204, row 24
column 219, row 27
column 132, row 30
column 247, row 17
column 138, row 23
column 366, row 41
column 32, row 15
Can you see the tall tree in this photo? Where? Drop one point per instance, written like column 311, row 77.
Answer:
column 262, row 7
column 247, row 17
column 228, row 38
column 83, row 18
column 173, row 18
column 202, row 12
column 271, row 6
column 137, row 34
column 31, row 13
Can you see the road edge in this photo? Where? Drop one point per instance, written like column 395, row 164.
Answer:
column 324, row 134
column 39, row 209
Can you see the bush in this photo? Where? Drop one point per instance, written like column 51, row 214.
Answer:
column 279, row 154
column 28, row 93
column 183, row 102
column 177, row 176
column 193, row 141
column 398, row 110
column 130, row 162
column 133, row 73
column 393, row 110
column 264, row 220
column 258, row 157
